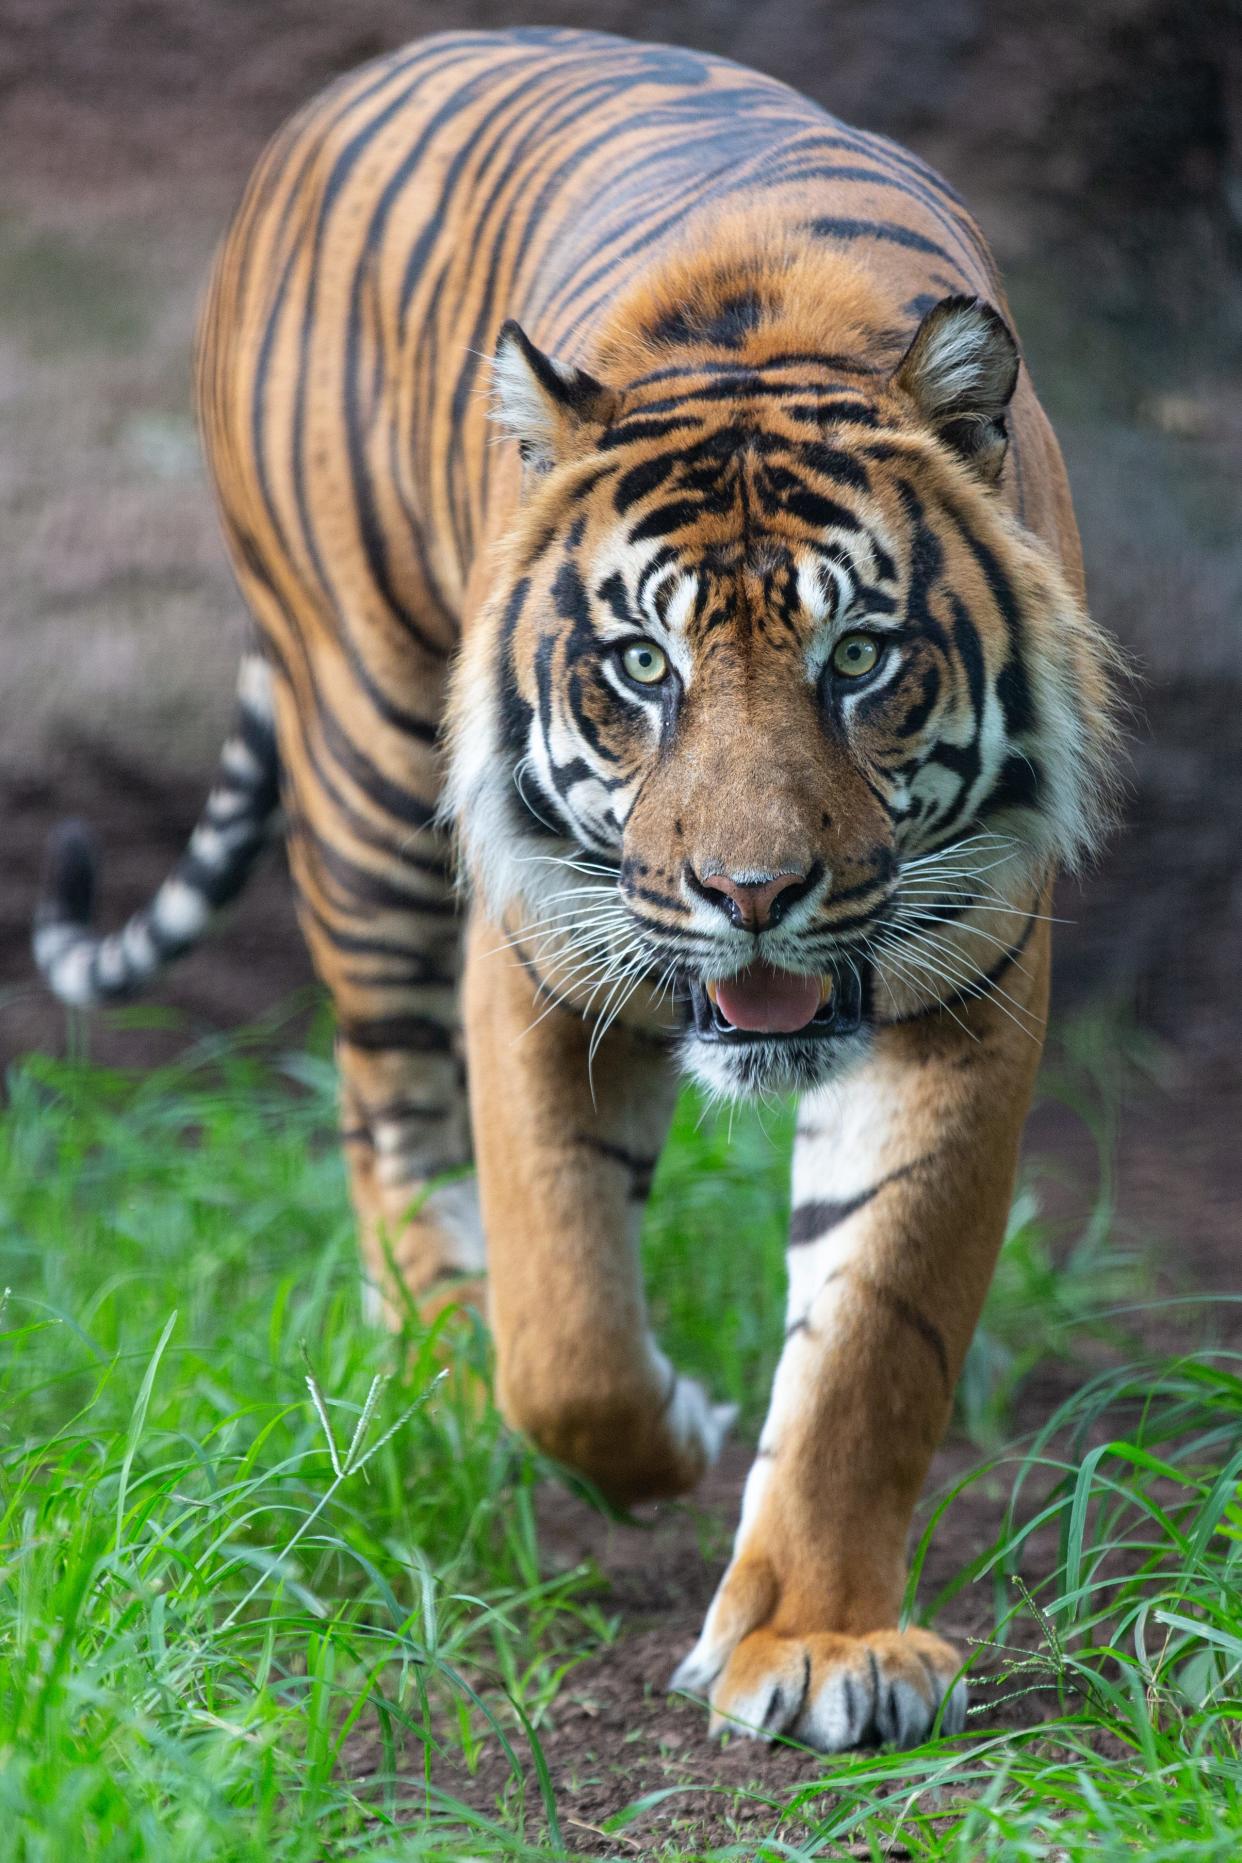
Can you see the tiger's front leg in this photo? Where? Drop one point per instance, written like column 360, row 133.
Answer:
column 565, row 1159
column 902, row 1180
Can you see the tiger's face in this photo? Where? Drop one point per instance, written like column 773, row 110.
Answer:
column 764, row 652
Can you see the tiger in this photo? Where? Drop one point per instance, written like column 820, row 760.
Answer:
column 671, row 659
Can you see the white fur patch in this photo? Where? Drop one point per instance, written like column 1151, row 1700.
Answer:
column 140, row 953
column 110, row 964
column 726, row 1074
column 454, row 1208
column 476, row 791
column 521, row 403
column 227, row 803
column 535, row 883
column 180, row 911
column 680, row 605
column 238, row 762
column 69, row 971
column 215, row 845
column 813, row 580
column 696, row 1422
column 758, row 1477
column 254, row 685
column 848, row 1141
column 962, row 359
column 696, row 1672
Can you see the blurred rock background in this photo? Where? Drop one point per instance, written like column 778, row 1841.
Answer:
column 1100, row 144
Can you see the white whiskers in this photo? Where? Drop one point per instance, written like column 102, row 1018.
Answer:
column 923, row 939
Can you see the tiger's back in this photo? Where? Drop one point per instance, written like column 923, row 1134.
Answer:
column 531, row 174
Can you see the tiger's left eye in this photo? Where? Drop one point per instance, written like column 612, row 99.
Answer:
column 855, row 654
column 645, row 663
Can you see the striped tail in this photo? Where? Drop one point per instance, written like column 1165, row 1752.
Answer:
column 81, row 967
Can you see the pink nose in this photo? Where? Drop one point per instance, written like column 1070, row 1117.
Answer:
column 754, row 904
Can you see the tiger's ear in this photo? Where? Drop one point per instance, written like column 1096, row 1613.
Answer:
column 960, row 371
column 550, row 408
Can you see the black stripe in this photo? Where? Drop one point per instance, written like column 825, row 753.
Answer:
column 353, row 944
column 810, row 1222
column 396, row 1112
column 755, row 372
column 641, row 1170
column 916, row 181
column 339, row 173
column 417, row 974
column 357, row 885
column 408, row 1033
column 1013, row 687
column 909, row 1314
column 675, row 515
column 1017, row 786
column 827, row 227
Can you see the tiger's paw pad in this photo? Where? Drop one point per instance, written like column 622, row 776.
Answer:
column 834, row 1692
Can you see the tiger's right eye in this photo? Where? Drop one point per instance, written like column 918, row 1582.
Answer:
column 645, row 663
column 856, row 655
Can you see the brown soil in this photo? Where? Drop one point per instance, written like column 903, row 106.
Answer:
column 614, row 1735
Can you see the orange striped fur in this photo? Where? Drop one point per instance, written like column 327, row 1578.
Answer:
column 630, row 472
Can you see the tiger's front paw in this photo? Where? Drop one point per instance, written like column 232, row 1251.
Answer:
column 635, row 1445
column 832, row 1691
column 665, row 1453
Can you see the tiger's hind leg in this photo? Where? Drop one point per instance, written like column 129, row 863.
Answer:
column 404, row 1118
column 420, row 1234
column 377, row 905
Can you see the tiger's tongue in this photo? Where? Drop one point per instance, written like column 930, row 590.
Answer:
column 767, row 1001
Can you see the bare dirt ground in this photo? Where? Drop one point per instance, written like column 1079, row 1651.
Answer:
column 614, row 1734
column 128, row 130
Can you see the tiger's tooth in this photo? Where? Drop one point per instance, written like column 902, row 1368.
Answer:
column 826, row 987
column 710, row 987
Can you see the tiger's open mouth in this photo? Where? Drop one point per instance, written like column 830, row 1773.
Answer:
column 764, row 1004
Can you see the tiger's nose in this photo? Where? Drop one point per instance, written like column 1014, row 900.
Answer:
column 753, row 901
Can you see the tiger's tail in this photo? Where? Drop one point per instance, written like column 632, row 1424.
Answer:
column 81, row 966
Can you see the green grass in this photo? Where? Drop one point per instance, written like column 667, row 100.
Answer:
column 242, row 1537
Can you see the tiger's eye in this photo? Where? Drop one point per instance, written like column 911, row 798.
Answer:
column 645, row 662
column 855, row 654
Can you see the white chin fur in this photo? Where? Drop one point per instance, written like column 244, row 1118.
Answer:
column 754, row 1069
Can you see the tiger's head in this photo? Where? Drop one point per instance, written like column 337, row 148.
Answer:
column 769, row 686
